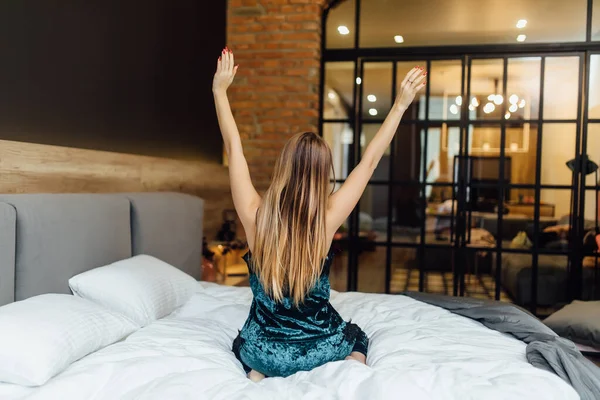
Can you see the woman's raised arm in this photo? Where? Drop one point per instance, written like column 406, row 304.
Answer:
column 245, row 198
column 345, row 199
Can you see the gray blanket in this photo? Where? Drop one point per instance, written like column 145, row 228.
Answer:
column 545, row 349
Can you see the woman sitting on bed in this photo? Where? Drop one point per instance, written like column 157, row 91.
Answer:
column 292, row 326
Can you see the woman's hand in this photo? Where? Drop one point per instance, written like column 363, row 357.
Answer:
column 226, row 70
column 412, row 83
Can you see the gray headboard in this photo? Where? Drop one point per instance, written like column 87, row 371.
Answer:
column 45, row 239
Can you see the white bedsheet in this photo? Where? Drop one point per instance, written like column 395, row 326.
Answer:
column 416, row 351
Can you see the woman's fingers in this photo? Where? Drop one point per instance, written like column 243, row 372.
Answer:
column 225, row 60
column 421, row 86
column 417, row 81
column 415, row 74
column 232, row 61
column 406, row 78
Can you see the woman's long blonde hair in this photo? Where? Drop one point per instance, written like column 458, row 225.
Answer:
column 291, row 241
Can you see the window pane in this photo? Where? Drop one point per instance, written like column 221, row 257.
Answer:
column 561, row 87
column 338, row 274
column 374, row 213
column 593, row 150
column 445, row 102
column 594, row 89
column 339, row 86
column 596, row 21
column 486, row 89
column 339, row 137
column 407, row 217
column 521, row 146
column 479, row 282
column 408, row 144
column 590, row 211
column 449, row 148
column 591, row 261
column 340, row 26
column 434, row 22
column 560, row 199
column 404, row 275
column 521, row 202
column 520, row 151
column 523, row 88
column 371, row 268
column 377, row 90
column 558, row 147
column 439, row 214
column 382, row 172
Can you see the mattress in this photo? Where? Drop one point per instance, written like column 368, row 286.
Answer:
column 416, row 350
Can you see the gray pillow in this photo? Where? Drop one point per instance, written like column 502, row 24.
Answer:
column 578, row 322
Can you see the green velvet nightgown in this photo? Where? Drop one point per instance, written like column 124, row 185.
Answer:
column 280, row 339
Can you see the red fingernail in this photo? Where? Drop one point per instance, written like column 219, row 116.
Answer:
column 425, row 73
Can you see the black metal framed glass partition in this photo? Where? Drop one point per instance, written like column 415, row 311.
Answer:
column 489, row 188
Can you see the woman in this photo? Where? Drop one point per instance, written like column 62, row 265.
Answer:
column 291, row 325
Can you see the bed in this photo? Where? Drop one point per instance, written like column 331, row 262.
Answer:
column 417, row 350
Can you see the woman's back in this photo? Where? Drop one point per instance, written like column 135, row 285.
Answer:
column 281, row 338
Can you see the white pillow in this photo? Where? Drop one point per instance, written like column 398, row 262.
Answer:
column 43, row 335
column 142, row 288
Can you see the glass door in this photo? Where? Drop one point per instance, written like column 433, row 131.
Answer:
column 522, row 127
column 481, row 192
column 587, row 279
column 405, row 217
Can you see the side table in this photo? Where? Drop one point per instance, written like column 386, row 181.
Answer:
column 231, row 267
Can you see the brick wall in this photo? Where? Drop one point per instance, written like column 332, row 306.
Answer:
column 277, row 44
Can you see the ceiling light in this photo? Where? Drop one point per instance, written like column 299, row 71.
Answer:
column 507, row 115
column 372, row 98
column 513, row 108
column 498, row 99
column 454, row 109
column 475, row 102
column 471, row 107
column 372, row 111
column 343, row 30
column 458, row 100
column 521, row 38
column 514, row 146
column 486, row 146
column 358, row 81
column 513, row 99
column 491, row 97
column 522, row 103
column 331, row 95
column 489, row 107
column 398, row 39
column 522, row 23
